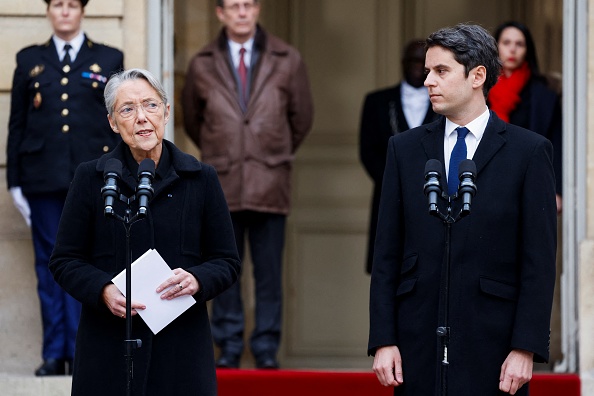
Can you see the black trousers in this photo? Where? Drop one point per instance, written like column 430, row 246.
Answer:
column 265, row 233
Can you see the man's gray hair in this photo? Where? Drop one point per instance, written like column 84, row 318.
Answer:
column 221, row 3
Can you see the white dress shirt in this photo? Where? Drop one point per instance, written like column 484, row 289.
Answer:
column 235, row 55
column 476, row 130
column 415, row 103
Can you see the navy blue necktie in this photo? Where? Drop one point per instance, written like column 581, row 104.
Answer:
column 458, row 154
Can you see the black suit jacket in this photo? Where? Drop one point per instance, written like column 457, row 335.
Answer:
column 502, row 271
column 381, row 118
column 58, row 118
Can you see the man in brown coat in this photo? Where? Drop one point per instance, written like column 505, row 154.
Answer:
column 248, row 107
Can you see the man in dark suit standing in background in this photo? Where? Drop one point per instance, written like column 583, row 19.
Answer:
column 387, row 112
column 57, row 120
column 502, row 255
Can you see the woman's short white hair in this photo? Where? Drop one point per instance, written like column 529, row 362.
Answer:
column 116, row 80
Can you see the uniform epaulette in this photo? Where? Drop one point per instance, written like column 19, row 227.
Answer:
column 28, row 48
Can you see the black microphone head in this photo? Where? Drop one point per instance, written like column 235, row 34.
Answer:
column 433, row 166
column 467, row 166
column 113, row 168
column 146, row 168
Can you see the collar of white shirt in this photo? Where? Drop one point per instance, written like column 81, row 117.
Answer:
column 76, row 44
column 247, row 56
column 476, row 130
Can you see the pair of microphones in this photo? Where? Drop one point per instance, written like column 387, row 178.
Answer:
column 466, row 188
column 110, row 192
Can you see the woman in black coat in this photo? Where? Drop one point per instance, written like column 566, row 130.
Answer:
column 522, row 96
column 188, row 223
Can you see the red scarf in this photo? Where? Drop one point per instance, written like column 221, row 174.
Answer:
column 504, row 97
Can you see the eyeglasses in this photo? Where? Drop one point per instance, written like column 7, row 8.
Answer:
column 129, row 110
column 236, row 7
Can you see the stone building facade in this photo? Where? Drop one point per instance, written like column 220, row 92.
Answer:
column 350, row 47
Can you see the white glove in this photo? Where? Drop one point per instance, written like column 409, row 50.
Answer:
column 21, row 203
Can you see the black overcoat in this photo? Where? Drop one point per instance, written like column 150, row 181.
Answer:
column 381, row 118
column 502, row 271
column 190, row 226
column 540, row 111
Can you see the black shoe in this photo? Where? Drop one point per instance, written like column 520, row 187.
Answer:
column 267, row 362
column 228, row 360
column 51, row 367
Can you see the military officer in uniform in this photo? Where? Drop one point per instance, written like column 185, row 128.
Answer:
column 57, row 120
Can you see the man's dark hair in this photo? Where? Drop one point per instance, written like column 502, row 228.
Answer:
column 472, row 46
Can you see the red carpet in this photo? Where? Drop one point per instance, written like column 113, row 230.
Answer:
column 346, row 383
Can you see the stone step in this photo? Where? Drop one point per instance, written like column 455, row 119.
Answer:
column 29, row 385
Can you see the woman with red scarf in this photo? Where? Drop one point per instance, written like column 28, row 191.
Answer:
column 521, row 96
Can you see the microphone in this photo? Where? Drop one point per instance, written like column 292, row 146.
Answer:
column 110, row 191
column 432, row 188
column 144, row 191
column 467, row 175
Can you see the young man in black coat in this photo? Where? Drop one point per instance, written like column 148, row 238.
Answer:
column 502, row 255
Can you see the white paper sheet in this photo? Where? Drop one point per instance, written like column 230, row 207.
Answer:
column 148, row 272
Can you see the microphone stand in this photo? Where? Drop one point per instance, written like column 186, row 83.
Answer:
column 443, row 330
column 128, row 220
